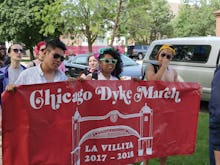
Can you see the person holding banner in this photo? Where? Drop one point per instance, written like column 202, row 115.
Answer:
column 48, row 70
column 214, row 120
column 110, row 64
column 161, row 71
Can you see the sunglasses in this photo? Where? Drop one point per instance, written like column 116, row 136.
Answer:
column 109, row 61
column 18, row 50
column 102, row 50
column 168, row 56
column 56, row 56
column 43, row 49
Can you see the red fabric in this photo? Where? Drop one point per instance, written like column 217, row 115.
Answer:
column 100, row 122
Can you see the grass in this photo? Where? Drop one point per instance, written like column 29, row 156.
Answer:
column 200, row 156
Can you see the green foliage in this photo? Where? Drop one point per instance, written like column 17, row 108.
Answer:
column 143, row 21
column 160, row 19
column 19, row 21
column 196, row 20
column 88, row 19
column 149, row 20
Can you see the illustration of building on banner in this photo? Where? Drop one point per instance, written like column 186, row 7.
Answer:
column 144, row 132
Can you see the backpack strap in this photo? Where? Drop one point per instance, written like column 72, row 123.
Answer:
column 156, row 68
column 94, row 75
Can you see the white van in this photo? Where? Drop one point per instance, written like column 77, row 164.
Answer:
column 195, row 61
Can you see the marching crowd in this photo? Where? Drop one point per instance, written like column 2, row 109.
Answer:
column 103, row 65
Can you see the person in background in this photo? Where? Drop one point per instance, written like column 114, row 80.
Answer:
column 10, row 73
column 3, row 55
column 14, row 69
column 214, row 120
column 39, row 53
column 62, row 67
column 110, row 65
column 47, row 71
column 163, row 72
column 2, row 61
column 93, row 66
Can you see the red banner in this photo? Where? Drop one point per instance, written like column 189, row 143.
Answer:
column 98, row 122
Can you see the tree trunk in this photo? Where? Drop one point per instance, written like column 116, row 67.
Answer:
column 31, row 54
column 115, row 29
column 90, row 44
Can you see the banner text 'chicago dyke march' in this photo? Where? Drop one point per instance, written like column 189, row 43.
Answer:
column 41, row 97
column 101, row 122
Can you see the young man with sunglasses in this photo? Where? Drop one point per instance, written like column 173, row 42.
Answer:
column 48, row 70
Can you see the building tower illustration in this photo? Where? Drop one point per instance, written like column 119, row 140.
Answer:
column 144, row 134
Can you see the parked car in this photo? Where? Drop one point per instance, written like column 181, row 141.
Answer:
column 195, row 61
column 76, row 64
column 137, row 51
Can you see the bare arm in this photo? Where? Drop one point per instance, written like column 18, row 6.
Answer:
column 150, row 73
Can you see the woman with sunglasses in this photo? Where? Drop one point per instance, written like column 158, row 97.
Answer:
column 13, row 70
column 110, row 65
column 10, row 73
column 39, row 54
column 163, row 72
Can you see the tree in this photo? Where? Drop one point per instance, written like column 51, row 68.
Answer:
column 18, row 22
column 88, row 19
column 137, row 20
column 149, row 20
column 196, row 20
column 116, row 21
column 160, row 18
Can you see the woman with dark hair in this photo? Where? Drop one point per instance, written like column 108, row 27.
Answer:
column 110, row 64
